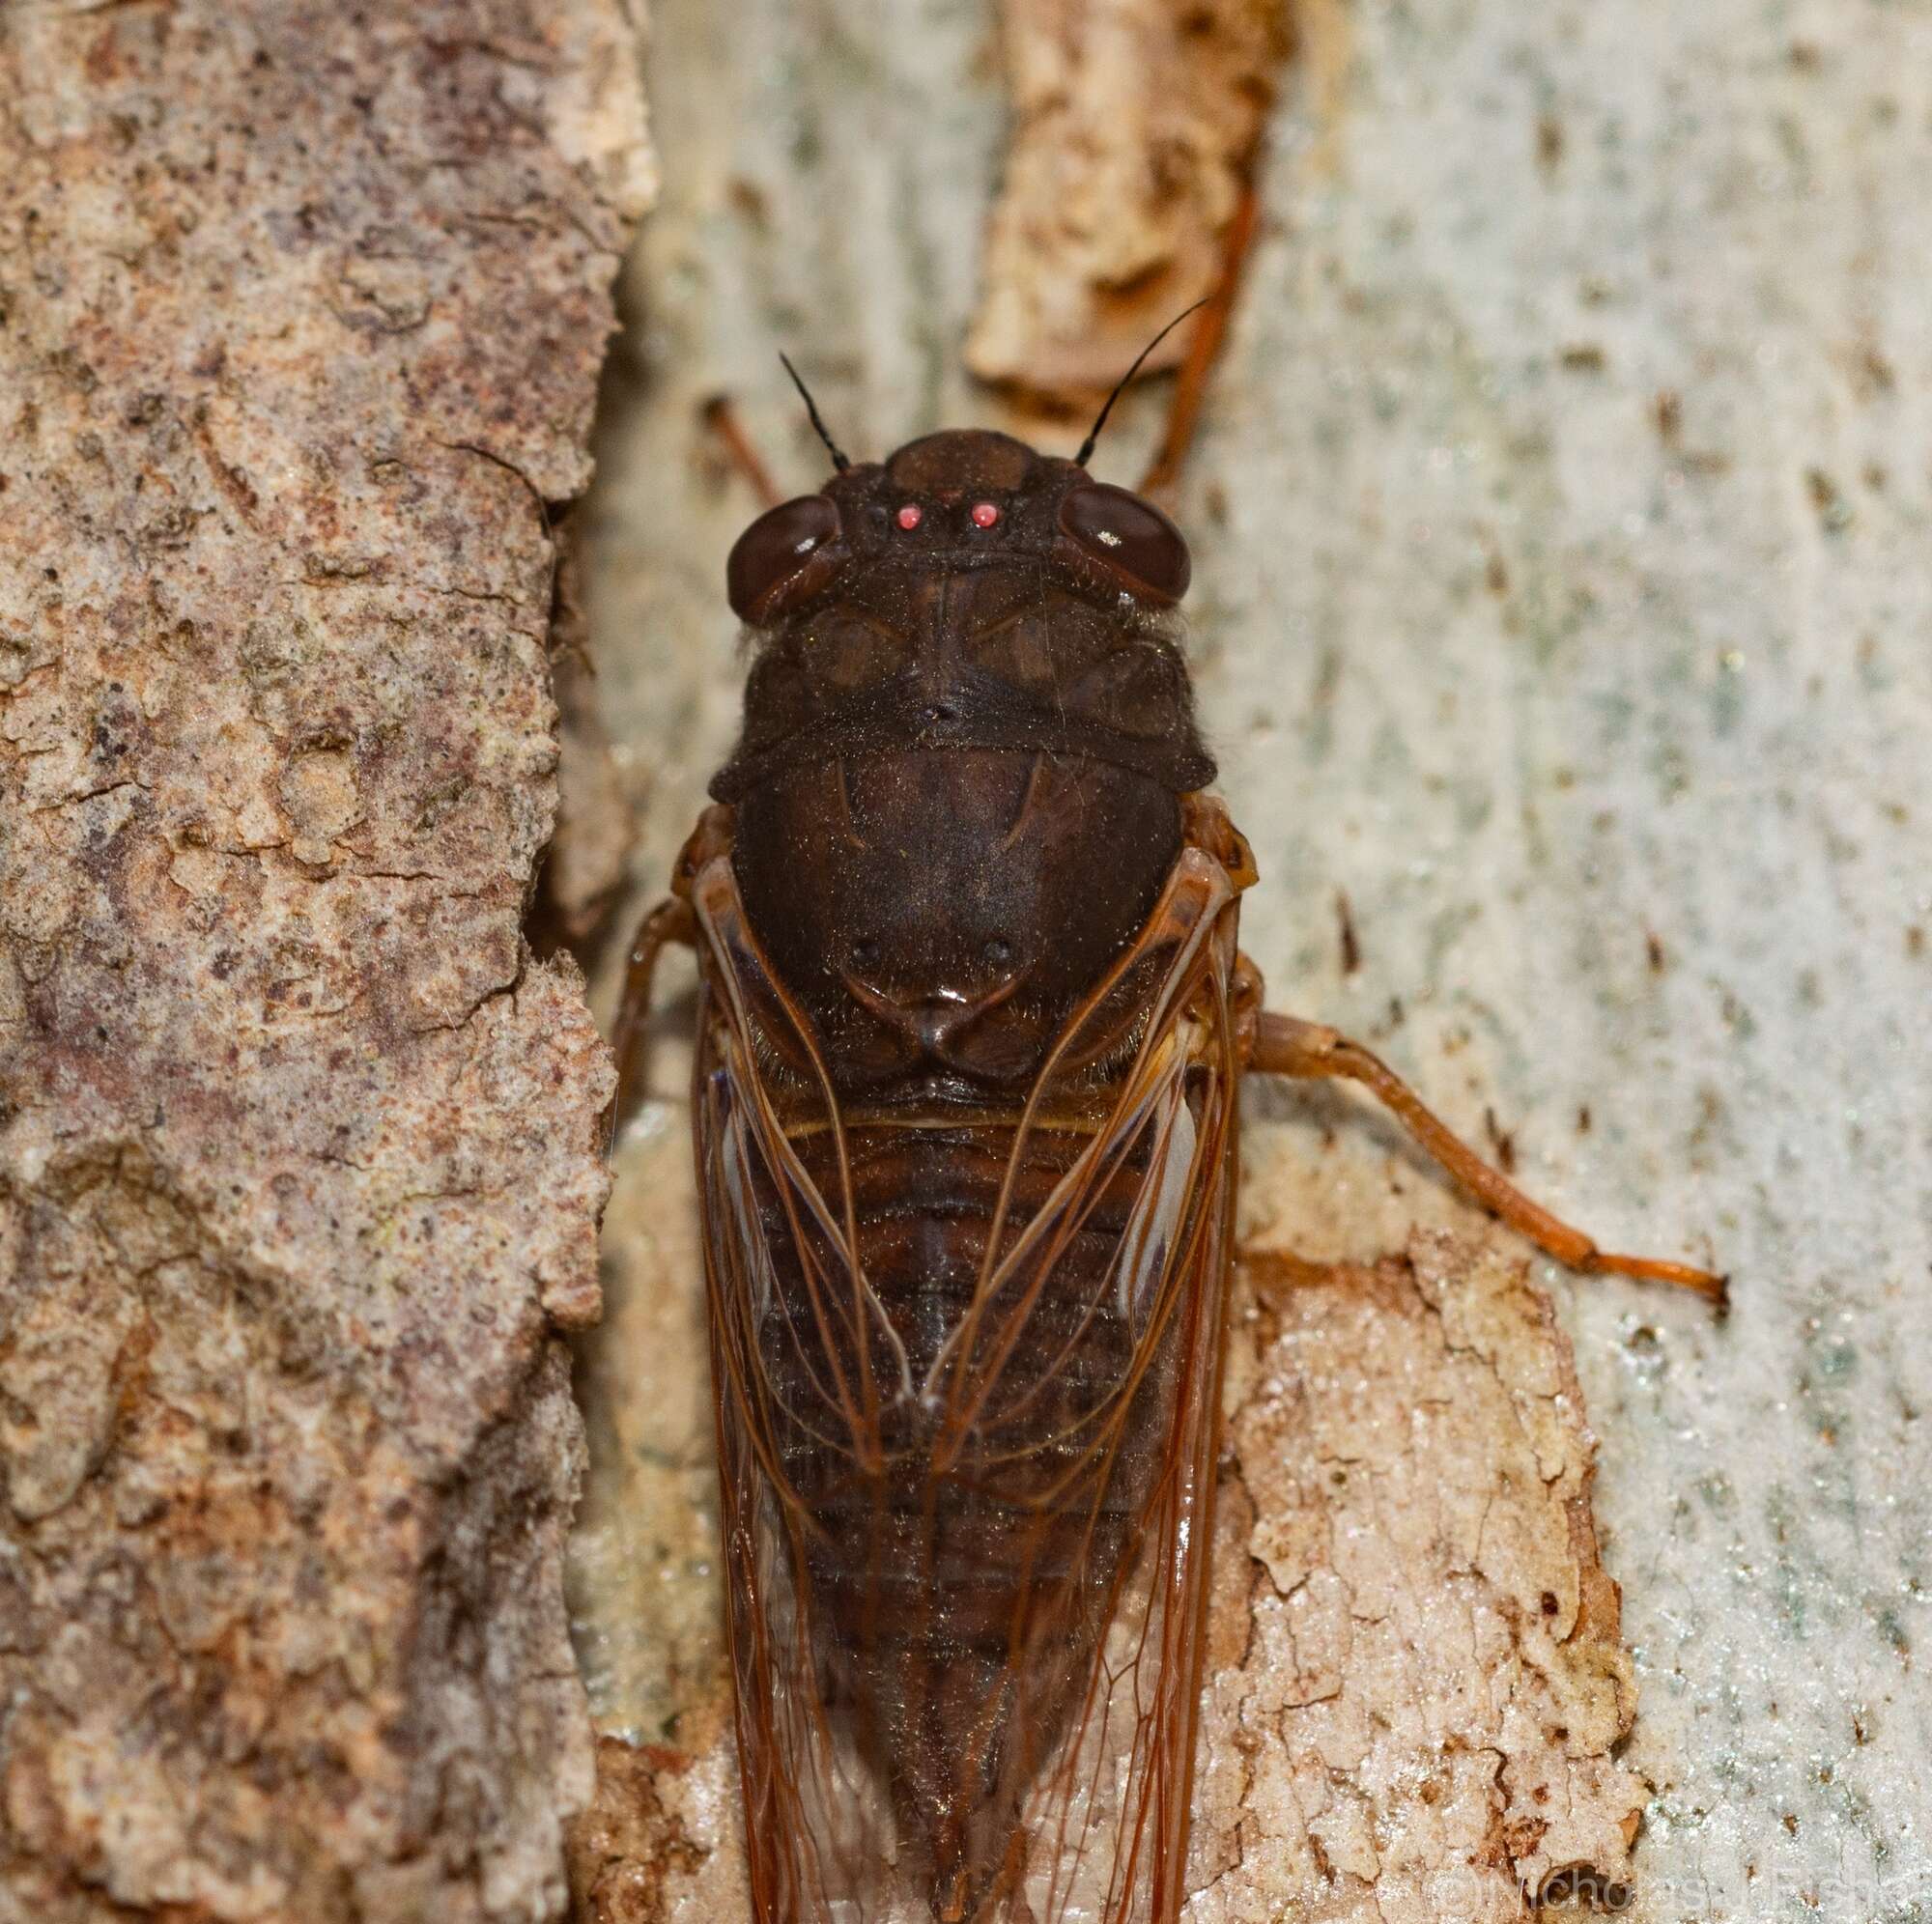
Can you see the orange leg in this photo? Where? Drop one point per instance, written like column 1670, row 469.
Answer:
column 1190, row 388
column 722, row 418
column 1284, row 1046
column 671, row 920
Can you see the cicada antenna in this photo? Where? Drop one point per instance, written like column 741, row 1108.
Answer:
column 838, row 460
column 1120, row 387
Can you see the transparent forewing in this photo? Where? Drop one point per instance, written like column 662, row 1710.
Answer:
column 965, row 1566
column 806, row 1368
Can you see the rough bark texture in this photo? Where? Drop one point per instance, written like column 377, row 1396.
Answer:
column 665, row 1838
column 584, row 867
column 300, row 315
column 1135, row 123
column 1416, row 1677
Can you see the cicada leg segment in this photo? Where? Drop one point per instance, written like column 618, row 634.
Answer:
column 669, row 920
column 1285, row 1046
column 1204, row 348
column 740, row 451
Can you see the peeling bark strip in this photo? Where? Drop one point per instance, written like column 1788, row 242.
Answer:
column 1414, row 1672
column 300, row 314
column 1136, row 124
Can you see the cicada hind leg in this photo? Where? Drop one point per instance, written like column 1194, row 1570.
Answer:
column 1283, row 1045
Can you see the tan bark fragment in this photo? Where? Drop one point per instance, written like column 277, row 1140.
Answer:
column 1136, row 122
column 1416, row 1677
column 303, row 309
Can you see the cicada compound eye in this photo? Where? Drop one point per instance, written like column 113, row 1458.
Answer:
column 782, row 557
column 1129, row 537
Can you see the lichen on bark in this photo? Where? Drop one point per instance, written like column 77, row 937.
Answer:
column 299, row 1167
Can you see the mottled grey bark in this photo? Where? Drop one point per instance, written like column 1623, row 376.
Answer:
column 300, row 316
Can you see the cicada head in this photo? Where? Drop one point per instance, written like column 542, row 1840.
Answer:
column 967, row 592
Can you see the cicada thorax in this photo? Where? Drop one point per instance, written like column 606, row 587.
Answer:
column 965, row 1106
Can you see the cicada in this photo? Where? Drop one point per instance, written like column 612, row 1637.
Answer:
column 973, row 1023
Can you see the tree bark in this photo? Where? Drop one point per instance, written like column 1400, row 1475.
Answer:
column 1134, row 133
column 303, row 310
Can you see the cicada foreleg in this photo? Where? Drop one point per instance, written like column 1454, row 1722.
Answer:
column 669, row 920
column 740, row 451
column 1282, row 1045
column 1204, row 348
